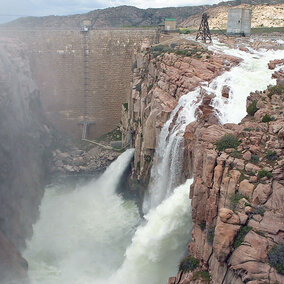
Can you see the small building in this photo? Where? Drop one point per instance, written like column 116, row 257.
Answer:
column 85, row 25
column 239, row 22
column 170, row 24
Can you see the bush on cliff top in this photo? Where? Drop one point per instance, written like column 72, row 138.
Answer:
column 189, row 263
column 252, row 108
column 276, row 257
column 227, row 141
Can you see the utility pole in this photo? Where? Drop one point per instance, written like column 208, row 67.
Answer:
column 204, row 31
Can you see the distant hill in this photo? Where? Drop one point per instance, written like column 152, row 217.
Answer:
column 262, row 16
column 124, row 16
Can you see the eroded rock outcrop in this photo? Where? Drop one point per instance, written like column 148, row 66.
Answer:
column 237, row 194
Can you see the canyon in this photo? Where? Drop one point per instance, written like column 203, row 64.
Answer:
column 173, row 102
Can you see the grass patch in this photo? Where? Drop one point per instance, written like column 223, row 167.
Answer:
column 227, row 141
column 264, row 173
column 252, row 108
column 189, row 263
column 184, row 31
column 241, row 236
column 276, row 257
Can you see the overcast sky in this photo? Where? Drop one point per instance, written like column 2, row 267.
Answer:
column 11, row 9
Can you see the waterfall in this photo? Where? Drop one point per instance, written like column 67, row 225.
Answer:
column 158, row 245
column 82, row 233
column 90, row 235
column 168, row 160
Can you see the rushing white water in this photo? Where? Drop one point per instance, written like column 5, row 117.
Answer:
column 168, row 160
column 87, row 235
column 158, row 246
column 82, row 234
column 250, row 75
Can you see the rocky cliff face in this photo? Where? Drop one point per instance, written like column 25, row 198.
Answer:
column 24, row 142
column 262, row 16
column 160, row 79
column 238, row 193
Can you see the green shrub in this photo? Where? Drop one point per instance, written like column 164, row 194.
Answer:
column 202, row 225
column 271, row 155
column 241, row 236
column 275, row 90
column 264, row 173
column 189, row 263
column 148, row 159
column 210, row 235
column 276, row 257
column 236, row 154
column 227, row 141
column 252, row 108
column 203, row 275
column 149, row 88
column 254, row 159
column 125, row 105
column 267, row 118
column 235, row 198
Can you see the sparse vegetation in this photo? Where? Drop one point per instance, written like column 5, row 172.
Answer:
column 210, row 234
column 184, row 30
column 276, row 257
column 227, row 141
column 114, row 135
column 138, row 166
column 235, row 198
column 271, row 155
column 258, row 210
column 275, row 90
column 236, row 154
column 241, row 236
column 125, row 105
column 189, row 263
column 202, row 225
column 148, row 159
column 252, row 108
column 254, row 159
column 203, row 275
column 267, row 118
column 263, row 173
column 149, row 88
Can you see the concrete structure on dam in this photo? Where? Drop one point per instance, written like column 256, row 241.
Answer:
column 82, row 76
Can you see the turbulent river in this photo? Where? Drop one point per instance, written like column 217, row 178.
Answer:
column 91, row 235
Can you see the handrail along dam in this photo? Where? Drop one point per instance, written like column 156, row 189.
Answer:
column 58, row 67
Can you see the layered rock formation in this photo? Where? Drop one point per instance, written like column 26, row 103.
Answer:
column 238, row 193
column 160, row 78
column 262, row 16
column 24, row 142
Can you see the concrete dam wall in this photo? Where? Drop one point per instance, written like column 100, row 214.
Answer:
column 82, row 76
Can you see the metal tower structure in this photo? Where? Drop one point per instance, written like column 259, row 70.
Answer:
column 86, row 82
column 204, row 31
